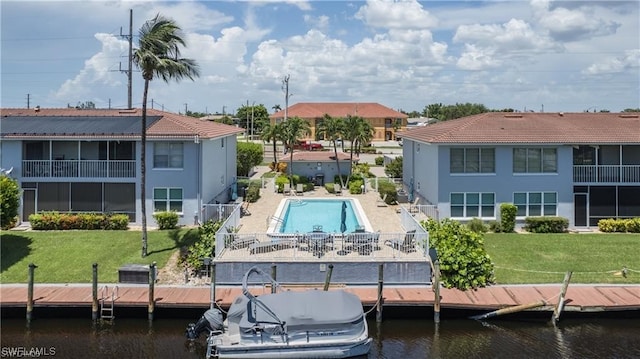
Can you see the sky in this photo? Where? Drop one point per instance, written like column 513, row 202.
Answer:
column 538, row 55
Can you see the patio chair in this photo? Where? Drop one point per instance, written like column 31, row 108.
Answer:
column 286, row 189
column 413, row 207
column 244, row 209
column 338, row 189
column 407, row 244
column 300, row 189
column 363, row 242
column 382, row 202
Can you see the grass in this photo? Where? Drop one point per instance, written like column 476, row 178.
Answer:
column 68, row 256
column 545, row 258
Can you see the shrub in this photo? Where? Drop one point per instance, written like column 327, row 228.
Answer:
column 508, row 213
column 280, row 182
column 379, row 161
column 9, row 201
column 546, row 224
column 355, row 186
column 394, row 168
column 464, row 263
column 495, row 227
column 253, row 192
column 633, row 225
column 203, row 247
column 476, row 225
column 166, row 220
column 44, row 221
column 388, row 189
column 330, row 187
column 611, row 225
column 249, row 155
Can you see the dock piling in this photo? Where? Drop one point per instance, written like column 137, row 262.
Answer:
column 152, row 281
column 32, row 268
column 94, row 293
column 274, row 272
column 380, row 285
column 327, row 279
column 436, row 292
column 558, row 310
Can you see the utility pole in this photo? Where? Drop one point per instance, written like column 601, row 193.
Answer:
column 28, row 100
column 129, row 71
column 252, row 106
column 185, row 109
column 247, row 115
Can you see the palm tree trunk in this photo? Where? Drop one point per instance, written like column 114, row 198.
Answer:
column 335, row 152
column 143, row 169
column 291, row 167
column 275, row 158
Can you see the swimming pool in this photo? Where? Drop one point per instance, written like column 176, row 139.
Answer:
column 301, row 215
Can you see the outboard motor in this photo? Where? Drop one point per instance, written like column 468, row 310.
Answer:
column 211, row 320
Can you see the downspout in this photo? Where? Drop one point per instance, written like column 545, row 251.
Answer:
column 196, row 218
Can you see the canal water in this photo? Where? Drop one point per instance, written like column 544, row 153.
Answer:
column 406, row 339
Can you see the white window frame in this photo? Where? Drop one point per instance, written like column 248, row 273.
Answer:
column 168, row 200
column 467, row 203
column 530, row 201
column 466, row 160
column 546, row 156
column 171, row 152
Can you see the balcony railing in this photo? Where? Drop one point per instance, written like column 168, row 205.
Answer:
column 79, row 168
column 606, row 173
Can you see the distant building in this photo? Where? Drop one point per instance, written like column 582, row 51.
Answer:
column 385, row 121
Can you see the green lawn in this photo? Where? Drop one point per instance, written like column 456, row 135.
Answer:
column 68, row 256
column 545, row 258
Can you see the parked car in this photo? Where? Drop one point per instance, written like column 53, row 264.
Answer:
column 308, row 146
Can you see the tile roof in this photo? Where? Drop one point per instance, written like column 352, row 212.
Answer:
column 317, row 156
column 527, row 127
column 106, row 123
column 339, row 109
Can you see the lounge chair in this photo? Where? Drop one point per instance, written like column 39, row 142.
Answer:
column 299, row 189
column 407, row 244
column 338, row 189
column 413, row 207
column 286, row 189
column 244, row 209
column 235, row 241
column 382, row 202
column 363, row 242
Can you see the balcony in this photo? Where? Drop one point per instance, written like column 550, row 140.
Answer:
column 606, row 174
column 78, row 168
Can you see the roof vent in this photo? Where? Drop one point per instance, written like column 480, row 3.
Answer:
column 127, row 111
column 513, row 116
column 629, row 116
column 37, row 108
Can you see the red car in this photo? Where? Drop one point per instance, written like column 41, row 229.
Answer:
column 308, row 146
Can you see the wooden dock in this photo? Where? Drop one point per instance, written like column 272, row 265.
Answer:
column 579, row 297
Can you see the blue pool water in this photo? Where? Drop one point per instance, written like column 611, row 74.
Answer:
column 302, row 216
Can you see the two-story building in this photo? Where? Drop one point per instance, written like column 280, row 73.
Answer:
column 581, row 166
column 385, row 121
column 74, row 160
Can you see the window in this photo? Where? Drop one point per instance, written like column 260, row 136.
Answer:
column 470, row 205
column 472, row 160
column 532, row 204
column 167, row 155
column 535, row 160
column 167, row 199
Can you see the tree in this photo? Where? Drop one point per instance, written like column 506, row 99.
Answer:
column 271, row 133
column 394, row 168
column 249, row 155
column 9, row 201
column 450, row 112
column 158, row 55
column 252, row 115
column 357, row 130
column 331, row 128
column 276, row 108
column 293, row 129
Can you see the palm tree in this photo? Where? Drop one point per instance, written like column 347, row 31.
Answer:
column 158, row 55
column 331, row 128
column 276, row 108
column 357, row 130
column 293, row 129
column 271, row 133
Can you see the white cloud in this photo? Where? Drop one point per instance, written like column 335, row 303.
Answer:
column 392, row 14
column 630, row 60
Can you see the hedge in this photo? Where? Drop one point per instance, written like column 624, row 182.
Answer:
column 90, row 221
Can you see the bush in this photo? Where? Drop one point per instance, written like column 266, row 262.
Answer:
column 379, row 161
column 9, row 201
column 203, row 247
column 44, row 221
column 280, row 182
column 330, row 187
column 394, row 168
column 546, row 224
column 388, row 189
column 249, row 155
column 476, row 225
column 166, row 220
column 619, row 225
column 508, row 213
column 495, row 227
column 464, row 263
column 355, row 186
